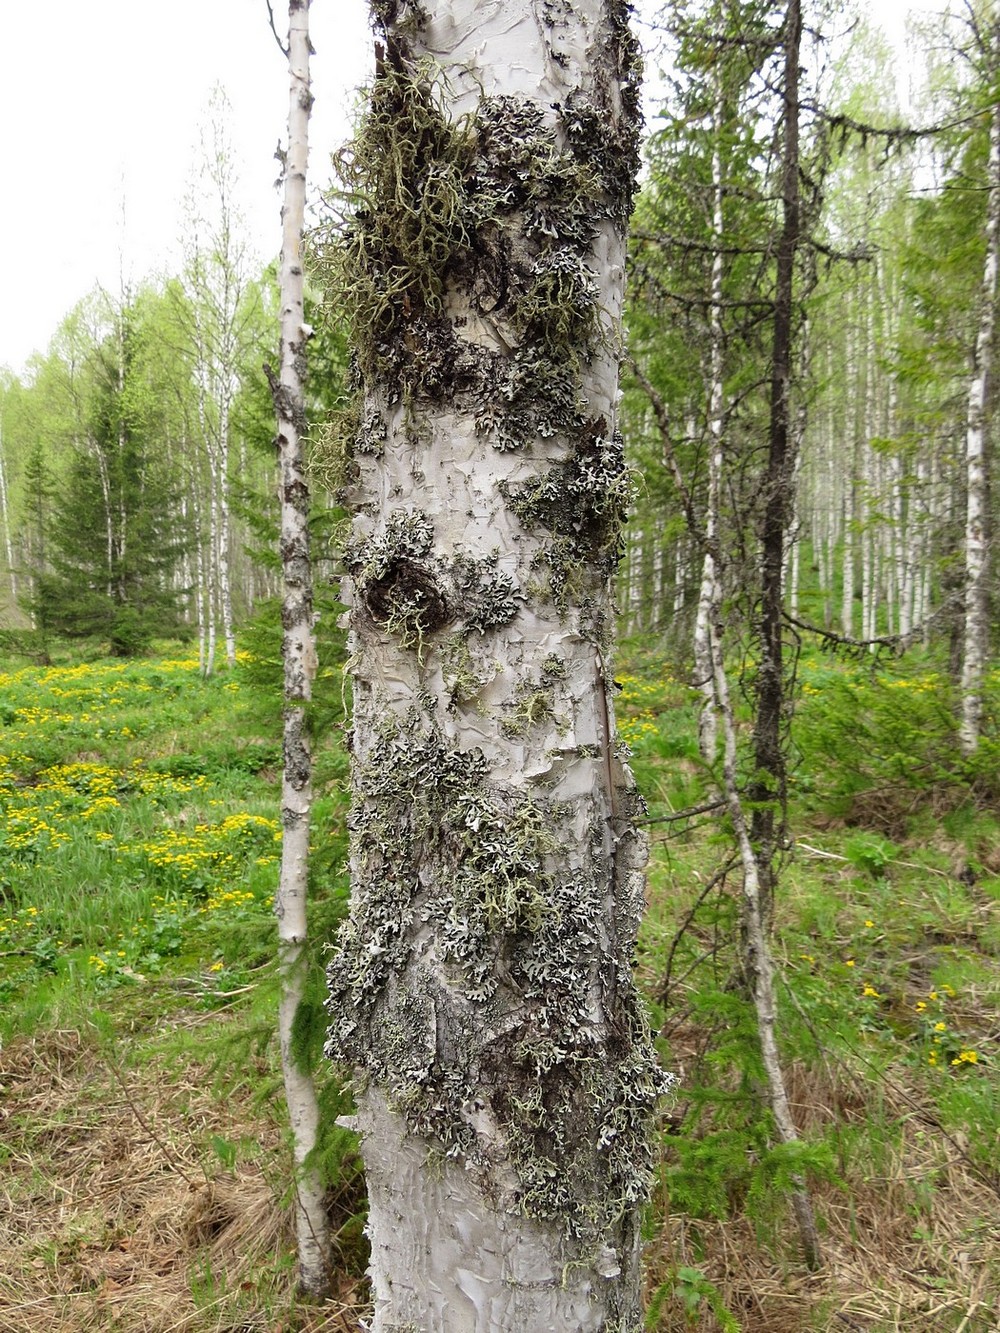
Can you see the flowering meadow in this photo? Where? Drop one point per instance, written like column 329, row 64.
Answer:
column 137, row 830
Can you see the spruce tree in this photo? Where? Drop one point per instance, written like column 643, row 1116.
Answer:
column 114, row 536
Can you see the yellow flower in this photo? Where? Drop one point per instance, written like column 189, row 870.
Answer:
column 869, row 924
column 848, row 962
column 940, row 1027
column 920, row 1006
column 216, row 967
column 870, row 990
column 966, row 1058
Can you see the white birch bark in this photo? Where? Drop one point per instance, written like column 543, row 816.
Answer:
column 5, row 517
column 793, row 552
column 709, row 592
column 109, row 529
column 761, row 964
column 218, row 323
column 299, row 658
column 483, row 981
column 870, row 487
column 680, row 575
column 224, row 534
column 976, row 638
column 850, row 507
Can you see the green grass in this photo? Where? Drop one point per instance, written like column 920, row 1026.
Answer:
column 138, row 863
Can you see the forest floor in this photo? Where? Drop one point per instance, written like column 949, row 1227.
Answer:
column 144, row 1163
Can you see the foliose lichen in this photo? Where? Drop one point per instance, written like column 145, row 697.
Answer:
column 412, row 593
column 583, row 502
column 452, row 867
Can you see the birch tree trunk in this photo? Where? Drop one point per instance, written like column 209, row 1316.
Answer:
column 850, row 494
column 709, row 592
column 482, row 984
column 5, row 519
column 976, row 640
column 299, row 657
column 758, row 957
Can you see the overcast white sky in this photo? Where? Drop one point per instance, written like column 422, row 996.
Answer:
column 101, row 100
column 100, row 104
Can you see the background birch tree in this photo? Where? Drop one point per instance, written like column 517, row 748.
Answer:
column 483, row 985
column 299, row 659
column 977, row 453
column 219, row 310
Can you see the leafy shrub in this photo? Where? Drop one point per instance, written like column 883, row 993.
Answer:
column 879, row 744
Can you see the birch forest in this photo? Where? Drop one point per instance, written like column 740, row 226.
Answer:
column 565, row 577
column 156, row 395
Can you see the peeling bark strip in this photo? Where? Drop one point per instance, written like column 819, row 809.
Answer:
column 482, row 985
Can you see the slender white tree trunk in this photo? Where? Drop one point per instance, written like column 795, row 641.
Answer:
column 976, row 549
column 709, row 592
column 761, row 964
column 5, row 516
column 850, row 506
column 109, row 517
column 483, row 980
column 680, row 574
column 224, row 534
column 870, row 489
column 299, row 657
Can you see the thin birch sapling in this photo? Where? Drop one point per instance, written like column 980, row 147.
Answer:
column 299, row 658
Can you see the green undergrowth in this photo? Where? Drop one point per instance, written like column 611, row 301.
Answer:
column 139, row 857
column 138, row 864
column 887, row 943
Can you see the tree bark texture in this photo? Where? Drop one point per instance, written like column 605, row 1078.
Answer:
column 709, row 593
column 769, row 785
column 299, row 658
column 482, row 985
column 976, row 645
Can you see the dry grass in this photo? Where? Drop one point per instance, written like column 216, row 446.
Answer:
column 115, row 1215
column 911, row 1249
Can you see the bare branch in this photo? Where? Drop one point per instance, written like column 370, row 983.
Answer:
column 270, row 15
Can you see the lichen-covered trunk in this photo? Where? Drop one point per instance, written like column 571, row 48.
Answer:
column 482, row 985
column 298, row 651
column 977, row 613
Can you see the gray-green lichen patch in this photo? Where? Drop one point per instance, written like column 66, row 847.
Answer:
column 411, row 593
column 501, row 207
column 465, row 983
column 582, row 502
